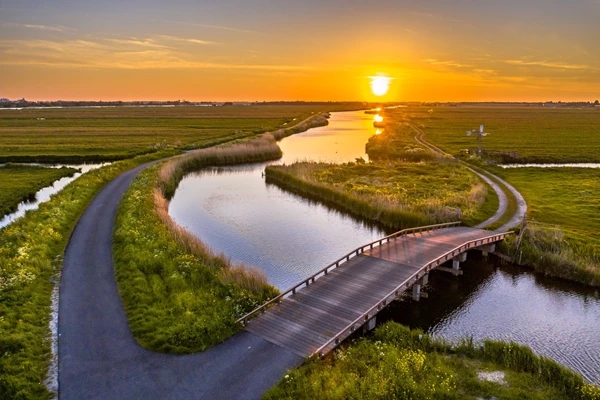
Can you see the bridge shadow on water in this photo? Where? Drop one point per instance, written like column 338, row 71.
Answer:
column 555, row 317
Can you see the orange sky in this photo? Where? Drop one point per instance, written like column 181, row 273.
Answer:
column 310, row 50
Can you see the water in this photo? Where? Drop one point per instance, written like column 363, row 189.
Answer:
column 234, row 211
column 44, row 194
column 556, row 318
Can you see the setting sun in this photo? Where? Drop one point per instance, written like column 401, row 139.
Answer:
column 380, row 85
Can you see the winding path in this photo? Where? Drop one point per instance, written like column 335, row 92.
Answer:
column 99, row 357
column 502, row 198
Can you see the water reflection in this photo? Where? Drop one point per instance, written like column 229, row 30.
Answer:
column 555, row 318
column 288, row 237
column 343, row 140
column 234, row 211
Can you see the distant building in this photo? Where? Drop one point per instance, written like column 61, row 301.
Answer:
column 4, row 100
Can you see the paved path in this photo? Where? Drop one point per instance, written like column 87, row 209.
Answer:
column 98, row 356
column 517, row 217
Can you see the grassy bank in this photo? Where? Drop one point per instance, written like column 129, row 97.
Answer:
column 397, row 363
column 30, row 257
column 395, row 194
column 568, row 200
column 184, row 298
column 176, row 293
column 21, row 182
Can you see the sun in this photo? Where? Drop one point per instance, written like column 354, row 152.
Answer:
column 380, row 85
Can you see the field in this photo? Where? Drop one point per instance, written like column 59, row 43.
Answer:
column 121, row 132
column 569, row 197
column 537, row 134
column 396, row 363
column 21, row 182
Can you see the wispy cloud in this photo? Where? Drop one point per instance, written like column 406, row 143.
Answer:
column 183, row 40
column 128, row 53
column 551, row 64
column 137, row 42
column 453, row 64
column 58, row 28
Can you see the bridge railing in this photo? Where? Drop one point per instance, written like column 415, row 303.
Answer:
column 356, row 252
column 366, row 316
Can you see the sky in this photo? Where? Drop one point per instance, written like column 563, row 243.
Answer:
column 227, row 50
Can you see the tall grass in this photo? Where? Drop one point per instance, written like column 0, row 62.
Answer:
column 397, row 195
column 397, row 362
column 546, row 250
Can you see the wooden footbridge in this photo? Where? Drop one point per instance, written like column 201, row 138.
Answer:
column 314, row 316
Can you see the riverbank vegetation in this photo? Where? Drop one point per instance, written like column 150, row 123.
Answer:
column 100, row 134
column 395, row 194
column 562, row 238
column 397, row 363
column 565, row 198
column 21, row 182
column 30, row 260
column 179, row 296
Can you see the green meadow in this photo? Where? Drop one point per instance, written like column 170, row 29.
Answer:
column 77, row 134
column 21, row 182
column 544, row 135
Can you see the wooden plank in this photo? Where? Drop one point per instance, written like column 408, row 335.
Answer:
column 309, row 316
column 329, row 305
column 286, row 331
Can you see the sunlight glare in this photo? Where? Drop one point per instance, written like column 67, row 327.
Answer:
column 378, row 118
column 380, row 85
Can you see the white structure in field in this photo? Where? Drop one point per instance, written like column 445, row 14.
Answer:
column 479, row 134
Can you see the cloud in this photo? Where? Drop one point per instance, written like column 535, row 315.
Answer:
column 453, row 64
column 58, row 28
column 551, row 64
column 128, row 53
column 184, row 40
column 137, row 42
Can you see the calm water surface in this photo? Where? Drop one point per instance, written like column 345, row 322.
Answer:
column 44, row 194
column 235, row 212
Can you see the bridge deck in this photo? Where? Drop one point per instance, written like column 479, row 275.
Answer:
column 313, row 315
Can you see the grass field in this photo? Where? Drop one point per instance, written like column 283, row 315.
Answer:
column 21, row 182
column 115, row 133
column 537, row 134
column 397, row 363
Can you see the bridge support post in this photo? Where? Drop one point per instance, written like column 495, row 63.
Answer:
column 487, row 249
column 425, row 279
column 416, row 294
column 371, row 323
column 457, row 260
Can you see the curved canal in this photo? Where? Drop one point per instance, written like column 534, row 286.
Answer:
column 237, row 213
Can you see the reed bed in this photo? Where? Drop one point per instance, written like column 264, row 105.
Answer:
column 546, row 250
column 397, row 195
